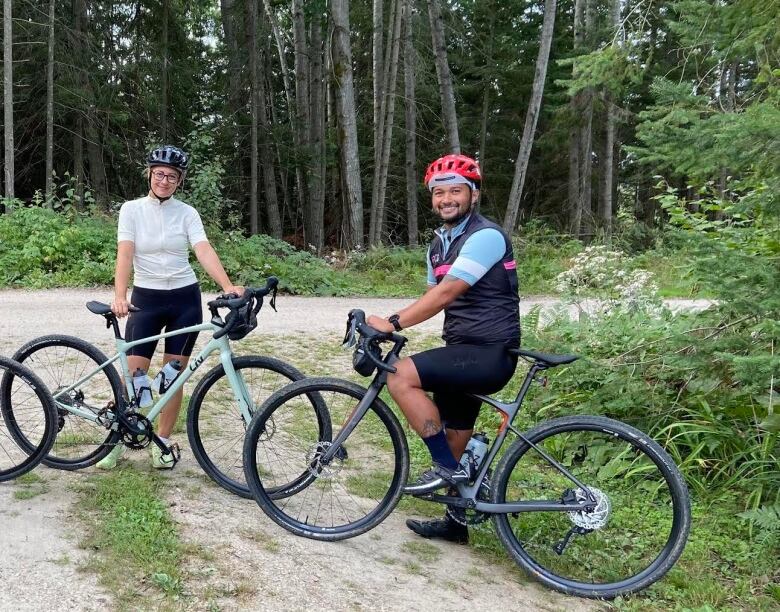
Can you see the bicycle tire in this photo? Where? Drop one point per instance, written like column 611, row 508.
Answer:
column 59, row 361
column 32, row 425
column 648, row 505
column 223, row 461
column 377, row 441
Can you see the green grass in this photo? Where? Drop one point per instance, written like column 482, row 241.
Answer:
column 138, row 542
column 29, row 485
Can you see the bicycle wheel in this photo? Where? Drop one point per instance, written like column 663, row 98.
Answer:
column 215, row 426
column 637, row 530
column 350, row 495
column 60, row 361
column 34, row 416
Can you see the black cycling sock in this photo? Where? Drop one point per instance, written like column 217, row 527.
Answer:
column 440, row 450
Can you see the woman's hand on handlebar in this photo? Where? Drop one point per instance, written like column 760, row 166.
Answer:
column 380, row 324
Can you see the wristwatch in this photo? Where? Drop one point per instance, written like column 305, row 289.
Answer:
column 396, row 323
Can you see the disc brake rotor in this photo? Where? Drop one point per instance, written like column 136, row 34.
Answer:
column 319, row 469
column 593, row 519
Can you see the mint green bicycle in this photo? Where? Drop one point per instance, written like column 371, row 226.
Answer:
column 97, row 411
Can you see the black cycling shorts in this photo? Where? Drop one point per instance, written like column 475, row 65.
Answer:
column 453, row 371
column 168, row 309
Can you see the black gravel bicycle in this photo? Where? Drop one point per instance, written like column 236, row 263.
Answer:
column 34, row 415
column 587, row 505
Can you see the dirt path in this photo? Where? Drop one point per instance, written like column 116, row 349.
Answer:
column 253, row 564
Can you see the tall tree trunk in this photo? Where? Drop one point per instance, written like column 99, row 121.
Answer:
column 605, row 210
column 8, row 98
column 531, row 117
column 386, row 123
column 491, row 8
column 286, row 81
column 282, row 61
column 164, row 72
column 728, row 93
column 575, row 133
column 301, row 106
column 251, row 34
column 586, row 135
column 316, row 218
column 347, row 122
column 410, row 60
column 97, row 169
column 231, row 43
column 444, row 76
column 50, row 108
column 78, row 161
column 378, row 68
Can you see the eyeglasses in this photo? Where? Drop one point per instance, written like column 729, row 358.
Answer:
column 161, row 176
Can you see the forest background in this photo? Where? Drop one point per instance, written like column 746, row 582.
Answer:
column 632, row 148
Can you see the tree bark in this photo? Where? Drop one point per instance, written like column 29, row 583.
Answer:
column 97, row 169
column 50, row 109
column 410, row 166
column 316, row 217
column 282, row 61
column 251, row 34
column 301, row 107
column 231, row 43
column 605, row 210
column 8, row 98
column 78, row 162
column 531, row 117
column 386, row 123
column 575, row 134
column 378, row 67
column 586, row 136
column 491, row 8
column 347, row 122
column 164, row 72
column 446, row 90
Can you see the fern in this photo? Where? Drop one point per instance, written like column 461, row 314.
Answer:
column 530, row 325
column 766, row 519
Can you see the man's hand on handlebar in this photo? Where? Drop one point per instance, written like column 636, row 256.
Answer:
column 238, row 290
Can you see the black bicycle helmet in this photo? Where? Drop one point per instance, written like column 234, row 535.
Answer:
column 170, row 156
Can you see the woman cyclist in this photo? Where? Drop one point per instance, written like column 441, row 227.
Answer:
column 154, row 236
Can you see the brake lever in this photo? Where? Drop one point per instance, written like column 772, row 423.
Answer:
column 349, row 336
column 272, row 303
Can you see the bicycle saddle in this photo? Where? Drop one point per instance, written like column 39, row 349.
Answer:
column 104, row 309
column 548, row 360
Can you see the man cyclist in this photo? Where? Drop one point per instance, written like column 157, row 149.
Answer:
column 472, row 276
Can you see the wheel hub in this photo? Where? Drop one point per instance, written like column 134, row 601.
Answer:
column 324, row 470
column 595, row 518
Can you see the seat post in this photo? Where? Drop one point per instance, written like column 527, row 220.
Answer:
column 535, row 367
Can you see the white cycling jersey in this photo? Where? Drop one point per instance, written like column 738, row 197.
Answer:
column 162, row 233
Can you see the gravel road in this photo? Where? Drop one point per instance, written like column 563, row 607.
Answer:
column 41, row 566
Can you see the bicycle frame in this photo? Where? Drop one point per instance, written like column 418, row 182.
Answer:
column 468, row 493
column 221, row 344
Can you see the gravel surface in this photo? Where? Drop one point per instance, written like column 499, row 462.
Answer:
column 255, row 564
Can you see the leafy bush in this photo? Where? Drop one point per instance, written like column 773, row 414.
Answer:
column 41, row 248
column 704, row 383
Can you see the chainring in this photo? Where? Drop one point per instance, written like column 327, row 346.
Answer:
column 468, row 516
column 137, row 441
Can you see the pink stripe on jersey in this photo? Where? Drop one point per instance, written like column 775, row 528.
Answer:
column 441, row 271
column 510, row 265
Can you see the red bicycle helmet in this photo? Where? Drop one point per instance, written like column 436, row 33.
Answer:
column 457, row 164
